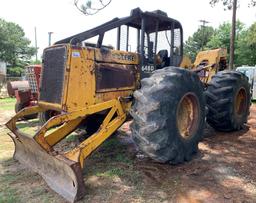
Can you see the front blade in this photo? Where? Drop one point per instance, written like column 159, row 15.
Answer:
column 61, row 174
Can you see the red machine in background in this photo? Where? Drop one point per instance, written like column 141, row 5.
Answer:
column 26, row 92
column 30, row 96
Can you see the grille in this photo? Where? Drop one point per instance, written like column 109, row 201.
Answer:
column 30, row 76
column 54, row 60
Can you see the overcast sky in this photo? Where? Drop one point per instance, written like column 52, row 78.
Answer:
column 62, row 18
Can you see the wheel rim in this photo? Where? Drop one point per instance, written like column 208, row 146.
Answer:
column 187, row 115
column 240, row 102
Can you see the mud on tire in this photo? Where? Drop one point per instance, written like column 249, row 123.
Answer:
column 168, row 115
column 228, row 101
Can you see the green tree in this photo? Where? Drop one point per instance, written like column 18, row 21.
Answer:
column 221, row 38
column 232, row 4
column 246, row 46
column 251, row 40
column 14, row 46
column 198, row 41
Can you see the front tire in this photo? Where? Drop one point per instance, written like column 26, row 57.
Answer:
column 46, row 115
column 168, row 115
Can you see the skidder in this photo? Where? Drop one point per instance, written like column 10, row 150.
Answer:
column 137, row 74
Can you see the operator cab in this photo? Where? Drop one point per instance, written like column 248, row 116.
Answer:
column 153, row 35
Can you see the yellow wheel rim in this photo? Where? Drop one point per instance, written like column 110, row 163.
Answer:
column 240, row 102
column 187, row 115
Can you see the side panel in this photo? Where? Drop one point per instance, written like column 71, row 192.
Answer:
column 89, row 81
column 116, row 73
column 80, row 77
column 111, row 77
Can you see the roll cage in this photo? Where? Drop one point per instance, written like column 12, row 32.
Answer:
column 159, row 39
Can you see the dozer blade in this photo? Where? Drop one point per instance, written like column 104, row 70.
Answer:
column 62, row 171
column 61, row 174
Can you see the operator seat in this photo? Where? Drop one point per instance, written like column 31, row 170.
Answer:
column 162, row 59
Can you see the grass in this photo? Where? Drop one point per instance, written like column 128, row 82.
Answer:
column 38, row 191
column 7, row 100
column 113, row 172
column 18, row 184
column 6, row 146
column 116, row 172
column 110, row 163
column 8, row 195
column 7, row 104
column 125, row 171
column 113, row 160
column 10, row 178
column 71, row 138
column 29, row 126
column 123, row 158
column 110, row 144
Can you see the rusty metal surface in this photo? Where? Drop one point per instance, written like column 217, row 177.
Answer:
column 16, row 85
column 188, row 115
column 62, row 171
column 79, row 80
column 109, row 76
column 240, row 102
column 62, row 175
column 32, row 74
column 23, row 96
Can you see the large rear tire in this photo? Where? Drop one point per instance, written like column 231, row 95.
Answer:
column 168, row 115
column 228, row 101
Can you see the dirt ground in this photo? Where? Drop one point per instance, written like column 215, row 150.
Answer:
column 222, row 171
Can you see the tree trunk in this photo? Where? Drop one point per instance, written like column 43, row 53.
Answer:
column 233, row 36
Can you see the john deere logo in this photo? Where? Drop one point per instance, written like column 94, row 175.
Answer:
column 125, row 57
